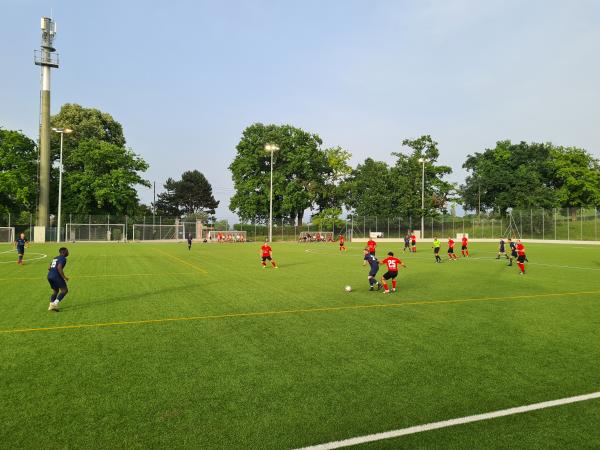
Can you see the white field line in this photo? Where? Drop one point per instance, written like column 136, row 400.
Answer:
column 40, row 256
column 452, row 422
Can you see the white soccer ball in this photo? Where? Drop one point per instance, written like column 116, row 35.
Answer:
column 348, row 288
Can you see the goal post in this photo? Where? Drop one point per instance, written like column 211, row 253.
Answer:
column 317, row 236
column 7, row 234
column 96, row 232
column 179, row 231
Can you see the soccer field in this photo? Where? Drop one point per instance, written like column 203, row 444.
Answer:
column 160, row 347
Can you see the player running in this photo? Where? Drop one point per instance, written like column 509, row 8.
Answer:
column 20, row 244
column 451, row 254
column 406, row 243
column 371, row 245
column 513, row 251
column 465, row 246
column 392, row 265
column 501, row 249
column 267, row 252
column 342, row 243
column 189, row 241
column 413, row 242
column 521, row 257
column 374, row 268
column 436, row 249
column 58, row 279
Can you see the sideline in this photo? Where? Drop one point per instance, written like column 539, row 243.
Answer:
column 452, row 422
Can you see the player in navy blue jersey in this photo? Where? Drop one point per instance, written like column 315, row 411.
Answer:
column 58, row 279
column 513, row 251
column 20, row 243
column 501, row 249
column 373, row 268
column 189, row 241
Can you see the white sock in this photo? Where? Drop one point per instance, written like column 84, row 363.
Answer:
column 56, row 302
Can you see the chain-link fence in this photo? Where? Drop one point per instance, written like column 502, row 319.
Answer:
column 573, row 224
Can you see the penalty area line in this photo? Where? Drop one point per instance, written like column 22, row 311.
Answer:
column 452, row 422
column 291, row 311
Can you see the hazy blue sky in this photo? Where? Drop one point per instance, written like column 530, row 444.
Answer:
column 186, row 77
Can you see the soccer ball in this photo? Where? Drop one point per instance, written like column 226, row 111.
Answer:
column 348, row 288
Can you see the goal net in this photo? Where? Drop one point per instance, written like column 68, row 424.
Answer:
column 318, row 236
column 96, row 232
column 174, row 232
column 7, row 234
column 226, row 236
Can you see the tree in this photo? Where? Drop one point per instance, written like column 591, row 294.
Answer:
column 510, row 176
column 335, row 189
column 190, row 195
column 300, row 169
column 101, row 178
column 371, row 190
column 576, row 177
column 18, row 172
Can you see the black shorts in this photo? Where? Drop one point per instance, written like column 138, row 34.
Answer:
column 436, row 250
column 57, row 283
column 406, row 244
column 341, row 244
column 413, row 243
column 20, row 250
column 264, row 258
column 521, row 258
column 390, row 274
column 451, row 250
column 464, row 247
column 513, row 254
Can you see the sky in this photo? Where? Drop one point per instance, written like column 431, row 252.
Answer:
column 184, row 78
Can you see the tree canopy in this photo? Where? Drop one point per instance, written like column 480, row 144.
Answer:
column 18, row 172
column 192, row 195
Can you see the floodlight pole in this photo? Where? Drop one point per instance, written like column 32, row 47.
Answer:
column 62, row 132
column 272, row 148
column 422, row 161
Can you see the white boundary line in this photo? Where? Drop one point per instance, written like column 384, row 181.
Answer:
column 41, row 256
column 452, row 422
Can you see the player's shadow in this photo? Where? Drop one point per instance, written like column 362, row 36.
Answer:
column 125, row 298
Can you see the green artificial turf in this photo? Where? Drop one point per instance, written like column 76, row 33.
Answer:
column 313, row 365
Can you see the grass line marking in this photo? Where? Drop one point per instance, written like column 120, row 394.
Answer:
column 198, row 268
column 290, row 311
column 453, row 422
column 124, row 275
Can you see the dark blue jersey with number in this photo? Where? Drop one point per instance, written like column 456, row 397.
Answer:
column 373, row 262
column 501, row 245
column 53, row 272
column 21, row 244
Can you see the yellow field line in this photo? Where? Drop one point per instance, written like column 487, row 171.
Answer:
column 293, row 311
column 198, row 268
column 124, row 275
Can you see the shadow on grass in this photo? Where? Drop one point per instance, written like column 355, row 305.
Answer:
column 125, row 298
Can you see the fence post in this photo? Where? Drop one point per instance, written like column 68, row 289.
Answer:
column 282, row 228
column 8, row 220
column 554, row 223
column 431, row 226
column 543, row 224
column 521, row 224
column 581, row 214
column 126, row 230
column 568, row 224
column 595, row 224
column 388, row 233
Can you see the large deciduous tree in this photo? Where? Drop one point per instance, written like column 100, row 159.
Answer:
column 300, row 172
column 18, row 172
column 189, row 196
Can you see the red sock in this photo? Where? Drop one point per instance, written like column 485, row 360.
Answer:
column 385, row 286
column 273, row 263
column 394, row 284
column 462, row 252
column 467, row 252
column 522, row 267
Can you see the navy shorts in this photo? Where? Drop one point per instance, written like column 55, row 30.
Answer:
column 513, row 254
column 20, row 250
column 372, row 273
column 57, row 283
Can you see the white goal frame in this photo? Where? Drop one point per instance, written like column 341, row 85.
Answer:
column 316, row 236
column 95, row 232
column 179, row 231
column 7, row 235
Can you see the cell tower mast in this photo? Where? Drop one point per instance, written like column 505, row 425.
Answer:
column 47, row 59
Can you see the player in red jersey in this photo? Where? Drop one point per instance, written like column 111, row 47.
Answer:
column 521, row 257
column 266, row 253
column 465, row 246
column 451, row 254
column 342, row 243
column 392, row 264
column 371, row 245
column 413, row 242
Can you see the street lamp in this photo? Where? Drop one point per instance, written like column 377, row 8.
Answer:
column 422, row 161
column 272, row 148
column 62, row 132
